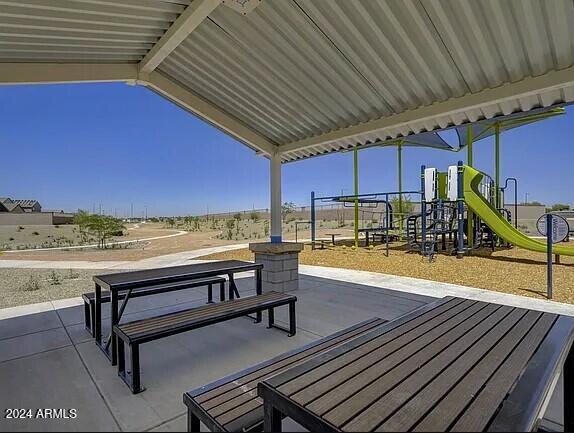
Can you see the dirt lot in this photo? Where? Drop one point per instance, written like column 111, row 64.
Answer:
column 193, row 240
column 31, row 286
column 515, row 271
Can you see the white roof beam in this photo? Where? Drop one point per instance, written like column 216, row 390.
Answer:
column 186, row 23
column 526, row 87
column 208, row 112
column 45, row 73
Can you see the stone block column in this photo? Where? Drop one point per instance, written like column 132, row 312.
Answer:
column 280, row 264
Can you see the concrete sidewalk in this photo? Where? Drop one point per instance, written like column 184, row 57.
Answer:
column 174, row 259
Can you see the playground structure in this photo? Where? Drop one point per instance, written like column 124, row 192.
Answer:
column 374, row 215
column 469, row 198
column 462, row 207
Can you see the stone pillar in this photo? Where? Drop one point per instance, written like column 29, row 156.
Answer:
column 280, row 264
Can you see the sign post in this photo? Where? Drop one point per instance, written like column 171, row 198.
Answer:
column 549, row 233
column 556, row 229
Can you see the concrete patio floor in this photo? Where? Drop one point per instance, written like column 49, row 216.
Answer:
column 48, row 360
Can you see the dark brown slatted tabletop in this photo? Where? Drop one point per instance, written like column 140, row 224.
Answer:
column 455, row 365
column 147, row 277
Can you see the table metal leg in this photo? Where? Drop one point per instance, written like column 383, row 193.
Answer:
column 192, row 422
column 114, row 321
column 222, row 291
column 272, row 417
column 210, row 293
column 233, row 292
column 271, row 317
column 97, row 325
column 259, row 291
column 292, row 320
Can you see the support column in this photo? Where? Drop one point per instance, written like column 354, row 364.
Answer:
column 280, row 265
column 356, row 191
column 275, row 175
column 497, row 165
column 469, row 213
column 400, row 185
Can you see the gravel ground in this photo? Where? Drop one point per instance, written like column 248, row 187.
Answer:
column 30, row 286
column 514, row 270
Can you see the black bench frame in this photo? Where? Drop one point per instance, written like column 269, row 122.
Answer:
column 197, row 414
column 89, row 298
column 132, row 377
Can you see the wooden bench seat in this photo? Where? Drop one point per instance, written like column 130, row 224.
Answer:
column 143, row 331
column 89, row 298
column 231, row 403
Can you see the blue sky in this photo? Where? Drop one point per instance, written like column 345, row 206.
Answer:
column 79, row 146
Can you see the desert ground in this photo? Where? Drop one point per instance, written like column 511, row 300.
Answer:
column 509, row 270
column 28, row 286
column 31, row 286
column 206, row 235
column 513, row 270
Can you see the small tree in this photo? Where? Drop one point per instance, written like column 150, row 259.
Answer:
column 266, row 228
column 104, row 227
column 254, row 216
column 559, row 207
column 287, row 208
column 237, row 216
column 81, row 219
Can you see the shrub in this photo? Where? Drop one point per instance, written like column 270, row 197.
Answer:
column 54, row 278
column 73, row 275
column 32, row 285
column 36, row 233
column 11, row 239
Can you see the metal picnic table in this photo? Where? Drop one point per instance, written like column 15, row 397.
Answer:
column 456, row 365
column 125, row 282
column 333, row 237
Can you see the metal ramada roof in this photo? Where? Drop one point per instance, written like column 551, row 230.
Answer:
column 306, row 77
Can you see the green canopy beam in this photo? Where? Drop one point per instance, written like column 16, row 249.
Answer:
column 470, row 224
column 356, row 190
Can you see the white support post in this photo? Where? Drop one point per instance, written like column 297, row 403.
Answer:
column 275, row 175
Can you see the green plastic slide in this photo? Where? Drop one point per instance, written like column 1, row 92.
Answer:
column 497, row 223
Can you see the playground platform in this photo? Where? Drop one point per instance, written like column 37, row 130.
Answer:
column 47, row 359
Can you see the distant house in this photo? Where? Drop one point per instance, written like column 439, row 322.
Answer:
column 19, row 206
column 29, row 212
column 14, row 208
column 29, row 205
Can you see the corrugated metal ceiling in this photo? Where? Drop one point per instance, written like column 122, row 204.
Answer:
column 296, row 69
column 83, row 30
column 300, row 68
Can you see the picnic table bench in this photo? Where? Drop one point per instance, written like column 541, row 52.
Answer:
column 133, row 334
column 124, row 284
column 90, row 297
column 231, row 403
column 456, row 365
column 373, row 232
column 333, row 237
